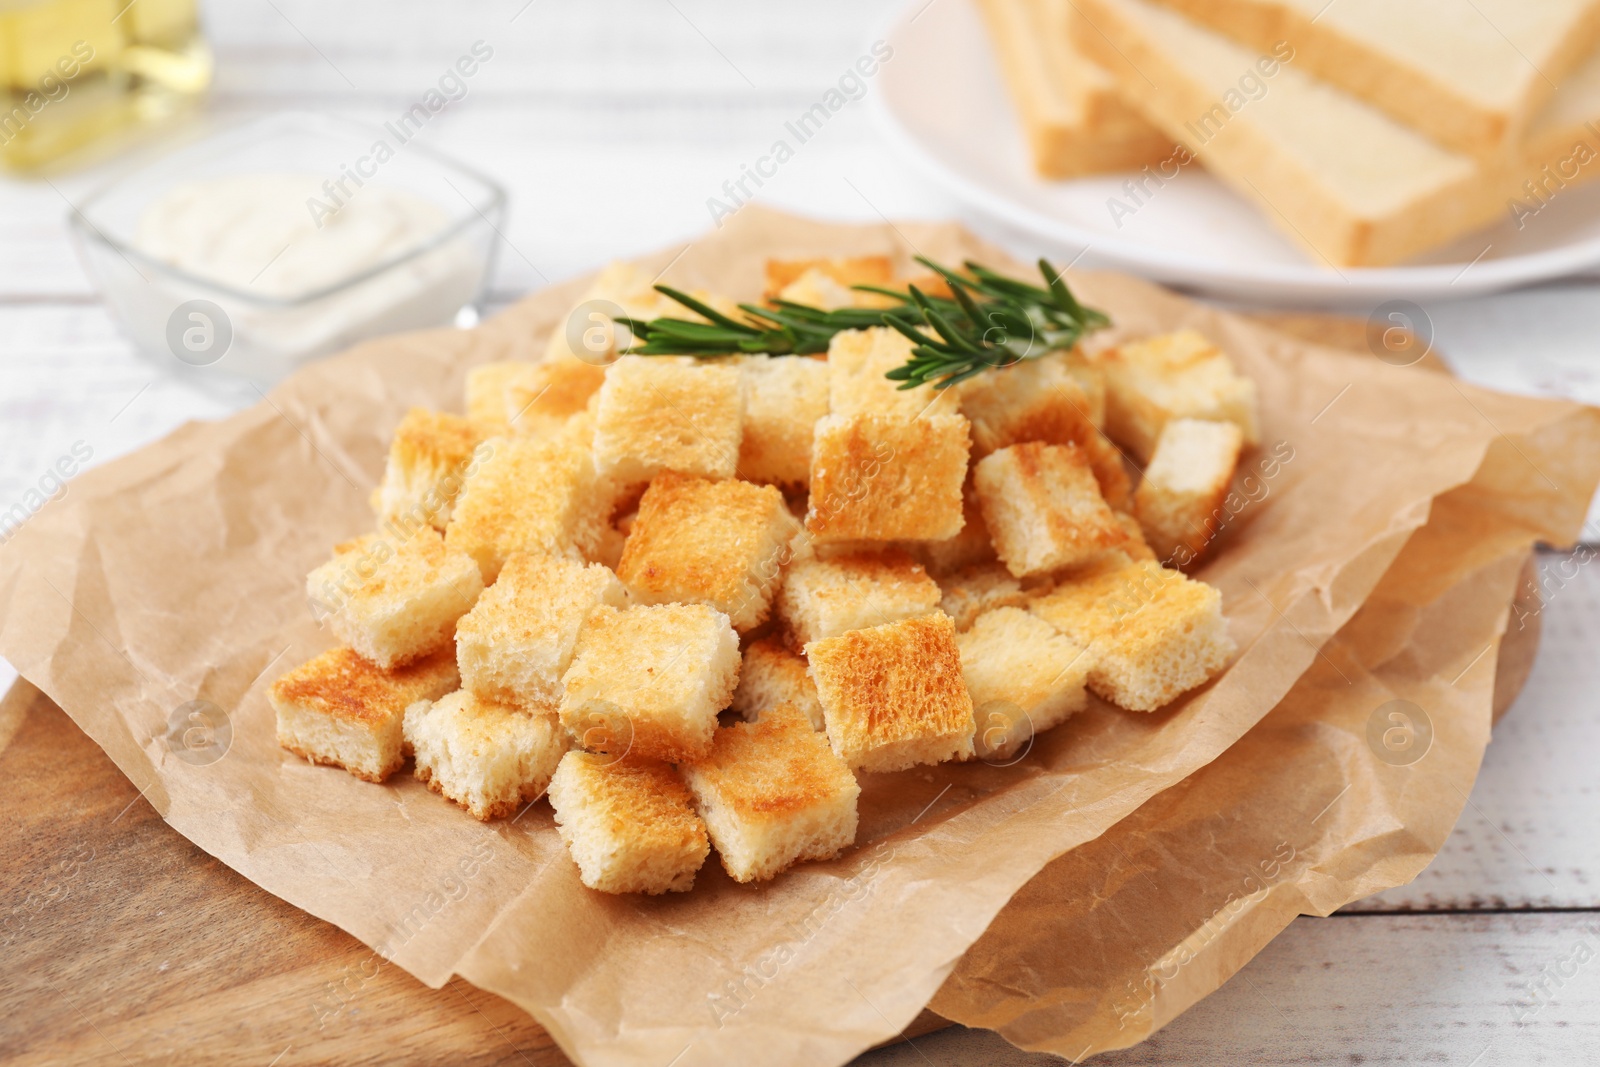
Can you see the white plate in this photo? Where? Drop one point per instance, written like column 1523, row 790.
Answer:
column 941, row 102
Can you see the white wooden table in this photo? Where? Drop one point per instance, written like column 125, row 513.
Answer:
column 612, row 123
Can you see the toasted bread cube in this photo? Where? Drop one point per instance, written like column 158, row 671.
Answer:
column 825, row 596
column 629, row 823
column 882, row 478
column 1043, row 508
column 772, row 793
column 1152, row 633
column 489, row 393
column 970, row 593
column 657, row 415
column 771, row 675
column 968, row 548
column 488, row 757
column 651, row 680
column 892, row 696
column 1091, row 378
column 1035, row 400
column 1135, row 548
column 783, row 399
column 697, row 541
column 844, row 272
column 1024, row 678
column 1173, row 376
column 558, row 389
column 341, row 710
column 429, row 459
column 857, row 363
column 527, row 496
column 516, row 644
column 394, row 600
column 1179, row 499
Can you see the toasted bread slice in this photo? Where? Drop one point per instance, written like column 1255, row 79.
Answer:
column 658, row 415
column 1178, row 375
column 892, row 696
column 394, row 600
column 516, row 644
column 1043, row 508
column 783, row 397
column 1152, row 634
column 341, row 710
column 629, row 824
column 488, row 757
column 429, row 459
column 650, row 680
column 772, row 793
column 822, row 597
column 1024, row 677
column 1179, row 500
column 883, row 478
column 770, row 675
column 698, row 541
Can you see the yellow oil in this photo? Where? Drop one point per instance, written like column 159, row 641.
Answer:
column 73, row 72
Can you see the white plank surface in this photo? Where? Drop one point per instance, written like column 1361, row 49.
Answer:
column 611, row 123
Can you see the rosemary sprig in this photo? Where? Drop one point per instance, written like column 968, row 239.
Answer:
column 989, row 320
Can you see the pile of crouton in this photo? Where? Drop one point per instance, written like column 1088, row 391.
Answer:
column 690, row 600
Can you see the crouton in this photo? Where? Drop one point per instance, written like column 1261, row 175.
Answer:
column 488, row 393
column 395, row 600
column 1043, row 508
column 1024, row 678
column 1092, row 380
column 783, row 399
column 971, row 592
column 1172, row 376
column 843, row 272
column 892, row 696
column 542, row 403
column 772, row 793
column 651, row 679
column 589, row 332
column 341, row 710
column 883, row 478
column 770, row 675
column 629, row 824
column 1135, row 547
column 824, row 596
column 488, row 757
column 516, row 644
column 429, row 459
column 1183, row 488
column 527, row 496
column 697, row 541
column 1152, row 633
column 656, row 415
column 857, row 363
column 968, row 548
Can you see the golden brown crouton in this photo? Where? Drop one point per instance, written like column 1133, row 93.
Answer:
column 1172, row 376
column 541, row 405
column 532, row 496
column 970, row 593
column 1024, row 678
column 657, row 415
column 1152, row 634
column 1043, row 508
column 845, row 271
column 783, row 397
column 771, row 675
column 488, row 393
column 428, row 463
column 1179, row 499
column 883, row 478
column 821, row 597
column 488, row 757
column 629, row 824
column 772, row 793
column 516, row 644
column 698, row 541
column 968, row 548
column 394, row 600
column 341, row 710
column 857, row 363
column 651, row 679
column 893, row 695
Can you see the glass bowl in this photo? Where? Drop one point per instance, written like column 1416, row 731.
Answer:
column 343, row 284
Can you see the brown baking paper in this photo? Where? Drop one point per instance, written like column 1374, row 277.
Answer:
column 1309, row 811
column 176, row 574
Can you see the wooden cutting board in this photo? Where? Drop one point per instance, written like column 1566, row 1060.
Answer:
column 125, row 944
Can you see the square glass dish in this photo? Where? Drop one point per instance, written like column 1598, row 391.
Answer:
column 286, row 239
